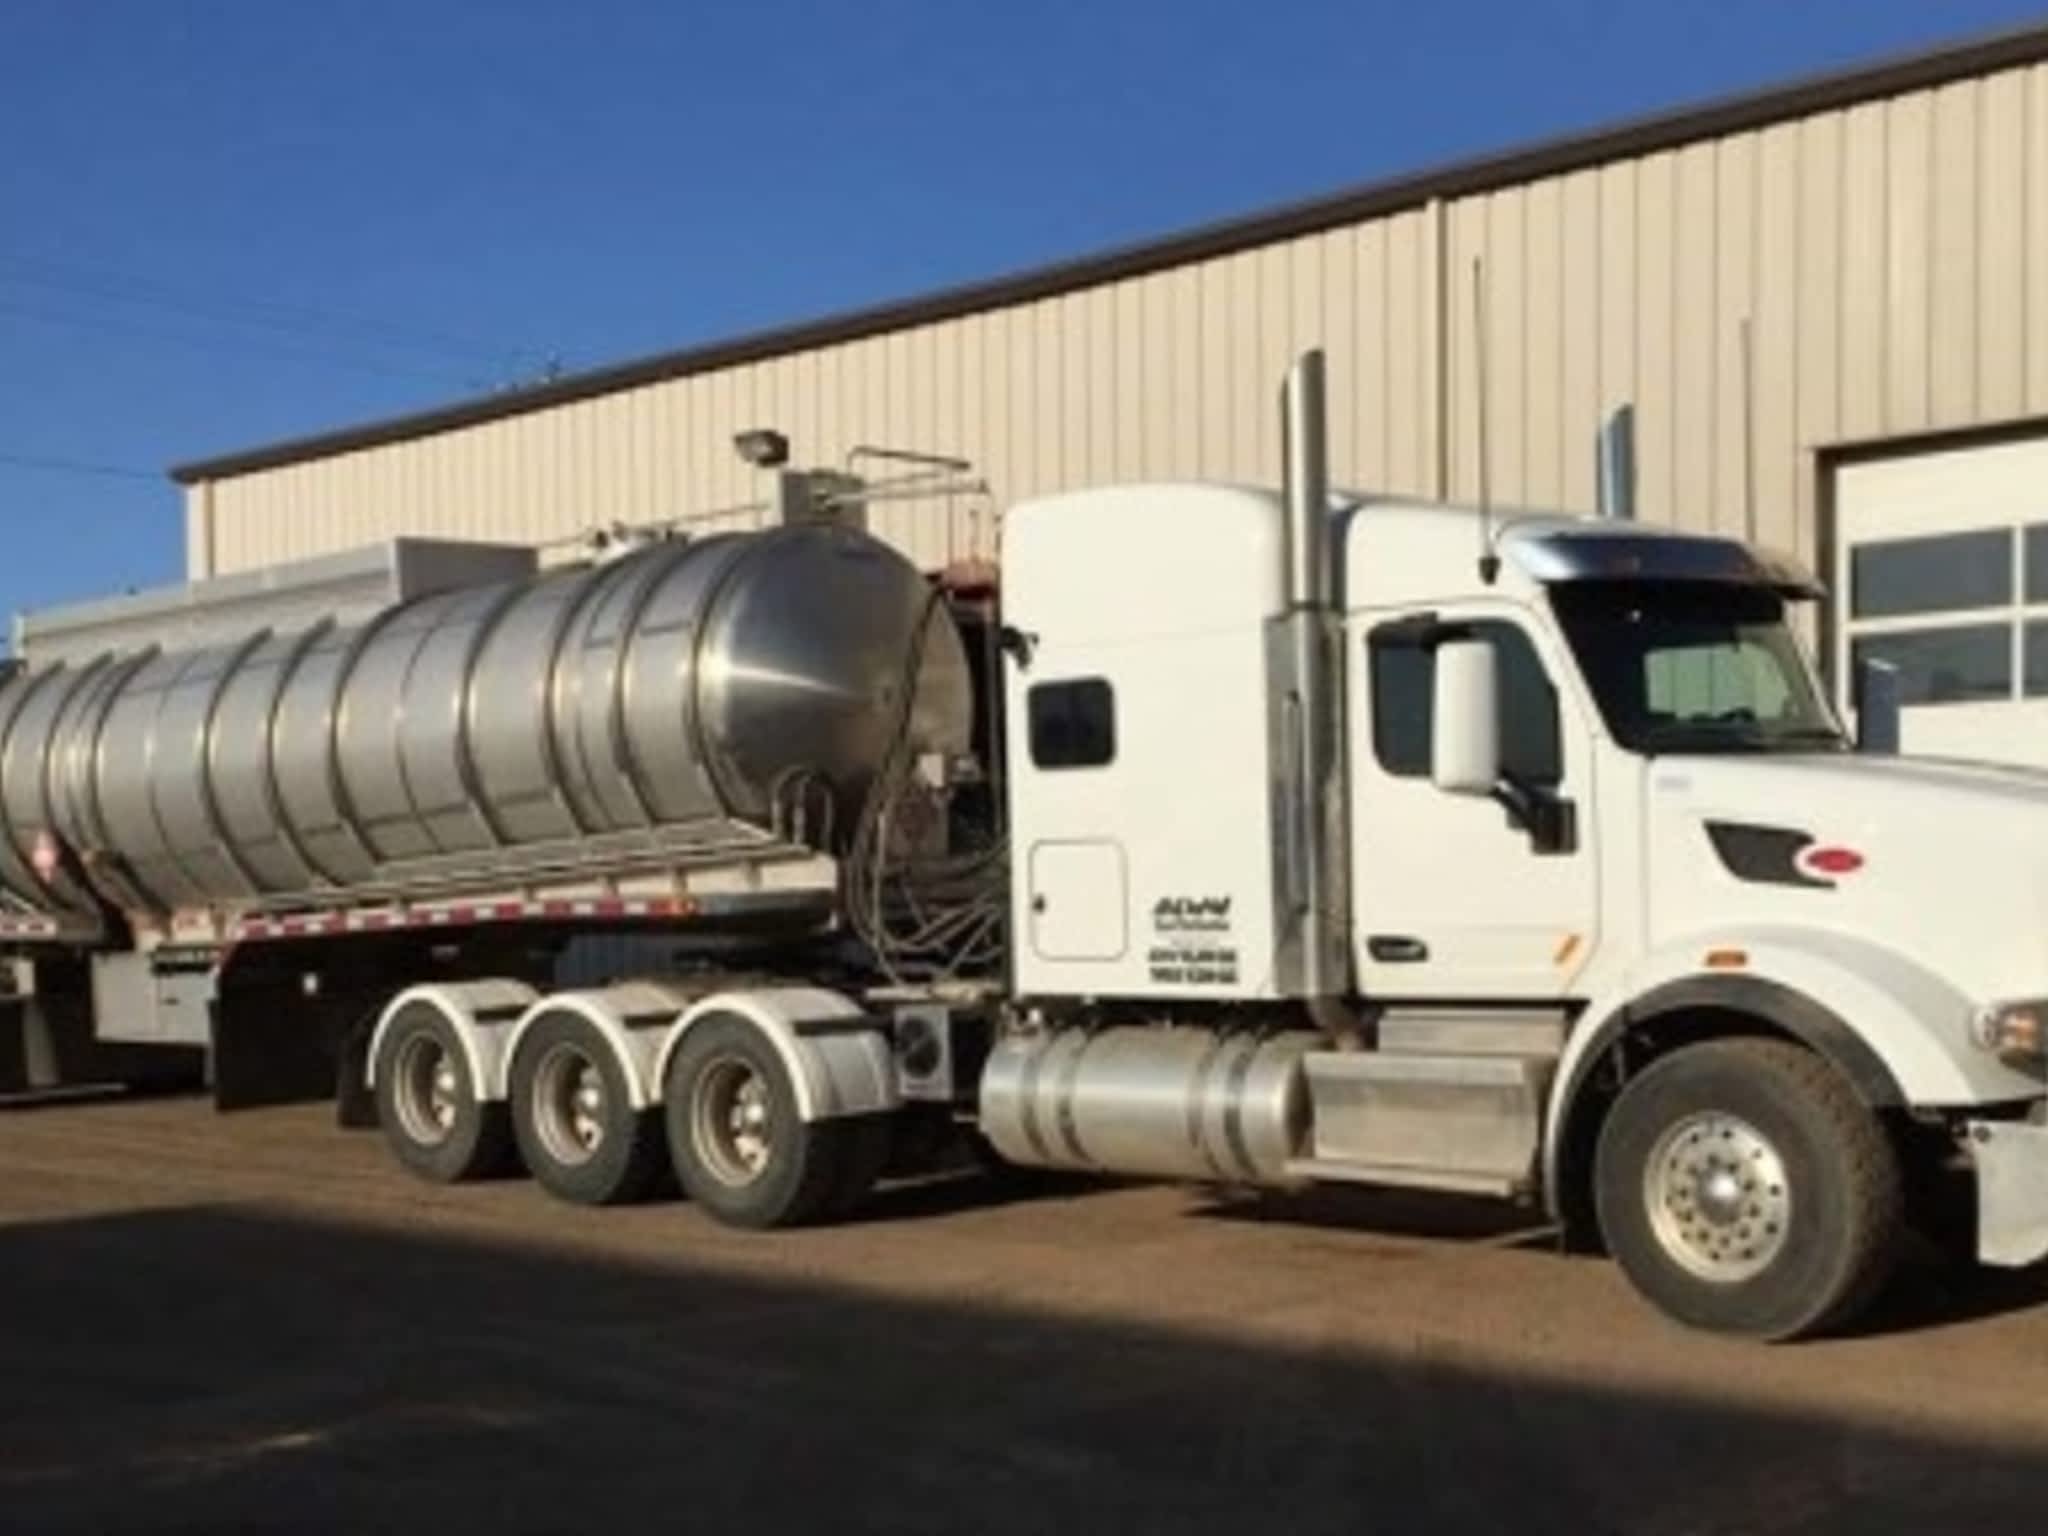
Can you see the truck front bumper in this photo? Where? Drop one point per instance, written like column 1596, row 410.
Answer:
column 2012, row 1189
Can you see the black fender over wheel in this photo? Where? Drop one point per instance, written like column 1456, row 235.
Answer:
column 427, row 1103
column 740, row 1147
column 1745, row 1188
column 572, row 1112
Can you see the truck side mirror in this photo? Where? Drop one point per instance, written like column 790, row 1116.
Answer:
column 1465, row 741
column 1877, row 706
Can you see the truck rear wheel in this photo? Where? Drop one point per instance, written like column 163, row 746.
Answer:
column 572, row 1111
column 427, row 1104
column 1744, row 1188
column 740, row 1148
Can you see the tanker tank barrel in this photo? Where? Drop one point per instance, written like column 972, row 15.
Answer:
column 681, row 692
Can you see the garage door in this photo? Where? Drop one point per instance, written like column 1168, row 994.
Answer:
column 1941, row 568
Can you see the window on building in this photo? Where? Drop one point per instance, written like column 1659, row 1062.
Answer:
column 1403, row 680
column 1072, row 723
column 1958, row 614
column 1960, row 664
column 1890, row 578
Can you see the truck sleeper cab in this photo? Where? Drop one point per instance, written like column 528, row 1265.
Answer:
column 1627, row 925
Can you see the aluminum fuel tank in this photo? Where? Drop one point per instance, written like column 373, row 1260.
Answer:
column 689, row 687
column 1176, row 1103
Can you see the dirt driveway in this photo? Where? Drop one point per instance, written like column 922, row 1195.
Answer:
column 215, row 1324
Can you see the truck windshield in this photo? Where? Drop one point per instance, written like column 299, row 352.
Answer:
column 1694, row 667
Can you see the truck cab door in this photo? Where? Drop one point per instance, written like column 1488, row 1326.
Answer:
column 1452, row 896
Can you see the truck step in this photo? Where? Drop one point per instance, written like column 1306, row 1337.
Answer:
column 1473, row 1032
column 1393, row 1175
column 1452, row 1121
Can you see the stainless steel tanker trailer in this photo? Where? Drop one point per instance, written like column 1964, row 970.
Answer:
column 1255, row 837
column 339, row 826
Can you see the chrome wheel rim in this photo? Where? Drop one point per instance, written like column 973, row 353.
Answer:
column 428, row 1092
column 569, row 1105
column 732, row 1121
column 1718, row 1198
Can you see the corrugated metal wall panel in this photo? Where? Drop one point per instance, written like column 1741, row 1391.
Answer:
column 1732, row 318
column 1865, row 315
column 1656, row 311
column 1890, row 260
column 1577, row 339
column 1774, row 303
column 1909, row 206
column 1409, row 304
column 2035, row 174
column 1956, row 234
column 1689, row 433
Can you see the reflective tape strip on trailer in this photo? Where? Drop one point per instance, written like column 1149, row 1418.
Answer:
column 388, row 919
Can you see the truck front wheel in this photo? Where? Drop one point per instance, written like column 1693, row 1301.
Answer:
column 741, row 1149
column 427, row 1104
column 1744, row 1188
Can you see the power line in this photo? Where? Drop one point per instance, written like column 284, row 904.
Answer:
column 77, row 467
column 122, row 326
column 302, row 319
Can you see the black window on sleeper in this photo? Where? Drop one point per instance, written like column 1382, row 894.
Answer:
column 1073, row 723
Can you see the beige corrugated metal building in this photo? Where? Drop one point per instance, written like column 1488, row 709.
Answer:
column 1869, row 250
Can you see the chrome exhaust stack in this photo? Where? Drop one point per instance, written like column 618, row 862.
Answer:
column 1614, row 452
column 1305, row 482
column 1304, row 665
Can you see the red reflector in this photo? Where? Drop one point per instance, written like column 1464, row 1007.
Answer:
column 1833, row 861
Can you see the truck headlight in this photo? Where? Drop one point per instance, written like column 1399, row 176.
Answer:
column 2016, row 1033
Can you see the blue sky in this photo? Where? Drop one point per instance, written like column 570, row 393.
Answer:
column 227, row 221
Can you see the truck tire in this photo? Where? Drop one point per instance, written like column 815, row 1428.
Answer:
column 572, row 1112
column 740, row 1149
column 427, row 1104
column 1744, row 1188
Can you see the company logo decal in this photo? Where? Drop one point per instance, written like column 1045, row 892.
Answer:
column 1192, row 943
column 1781, row 855
column 1191, row 914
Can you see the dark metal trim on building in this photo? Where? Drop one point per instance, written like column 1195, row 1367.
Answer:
column 1626, row 140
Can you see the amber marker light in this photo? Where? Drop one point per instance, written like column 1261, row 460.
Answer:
column 2013, row 1032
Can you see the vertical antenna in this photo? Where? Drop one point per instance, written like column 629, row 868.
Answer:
column 1489, row 562
column 1748, row 436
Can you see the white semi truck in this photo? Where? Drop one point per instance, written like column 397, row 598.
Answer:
column 1237, row 836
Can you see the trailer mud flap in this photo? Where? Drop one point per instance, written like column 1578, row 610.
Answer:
column 263, row 1056
column 355, row 1103
column 2012, row 1191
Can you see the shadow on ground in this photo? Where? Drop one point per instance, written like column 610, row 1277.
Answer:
column 1930, row 1289
column 215, row 1369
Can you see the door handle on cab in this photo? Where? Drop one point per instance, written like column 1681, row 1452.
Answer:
column 1396, row 948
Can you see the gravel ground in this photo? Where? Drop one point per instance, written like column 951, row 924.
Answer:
column 256, row 1322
